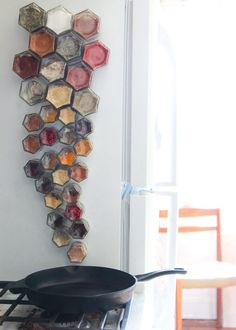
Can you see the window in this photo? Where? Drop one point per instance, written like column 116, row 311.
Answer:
column 202, row 35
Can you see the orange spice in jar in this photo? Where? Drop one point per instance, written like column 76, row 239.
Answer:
column 67, row 157
column 42, row 42
column 83, row 147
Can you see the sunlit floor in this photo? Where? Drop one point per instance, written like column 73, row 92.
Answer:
column 194, row 328
column 191, row 325
column 201, row 328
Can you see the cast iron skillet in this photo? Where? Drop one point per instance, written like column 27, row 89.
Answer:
column 74, row 289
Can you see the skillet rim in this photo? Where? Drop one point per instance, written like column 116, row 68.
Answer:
column 107, row 294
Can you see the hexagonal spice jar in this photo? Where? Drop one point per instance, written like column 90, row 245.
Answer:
column 56, row 219
column 69, row 46
column 86, row 23
column 79, row 76
column 85, row 102
column 26, row 65
column 67, row 156
column 44, row 184
column 59, row 94
column 53, row 199
column 52, row 67
column 31, row 143
column 32, row 122
column 67, row 134
column 34, row 169
column 48, row 136
column 96, row 55
column 77, row 252
column 48, row 114
column 71, row 193
column 61, row 237
column 78, row 172
column 67, row 115
column 33, row 90
column 60, row 176
column 79, row 229
column 59, row 19
column 73, row 211
column 83, row 147
column 32, row 17
column 42, row 42
column 83, row 127
column 49, row 160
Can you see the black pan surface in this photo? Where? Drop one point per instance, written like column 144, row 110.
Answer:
column 79, row 281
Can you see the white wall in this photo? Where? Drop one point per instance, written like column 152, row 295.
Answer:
column 25, row 239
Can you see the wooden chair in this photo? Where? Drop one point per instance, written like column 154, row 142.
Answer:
column 217, row 274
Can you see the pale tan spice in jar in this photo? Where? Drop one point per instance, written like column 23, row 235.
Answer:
column 60, row 177
column 67, row 115
column 61, row 238
column 85, row 103
column 53, row 70
column 59, row 95
column 52, row 200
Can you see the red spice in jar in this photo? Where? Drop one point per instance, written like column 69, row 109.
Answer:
column 73, row 212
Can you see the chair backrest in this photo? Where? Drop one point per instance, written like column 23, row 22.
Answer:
column 197, row 213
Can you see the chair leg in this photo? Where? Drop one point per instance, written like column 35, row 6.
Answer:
column 219, row 308
column 178, row 307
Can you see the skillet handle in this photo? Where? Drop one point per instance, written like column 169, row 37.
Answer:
column 157, row 273
column 3, row 284
column 14, row 287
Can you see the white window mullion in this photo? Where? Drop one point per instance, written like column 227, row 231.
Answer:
column 143, row 202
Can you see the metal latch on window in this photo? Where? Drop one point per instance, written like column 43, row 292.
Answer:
column 128, row 189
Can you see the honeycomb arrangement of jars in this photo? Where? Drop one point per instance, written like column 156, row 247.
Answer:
column 56, row 71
